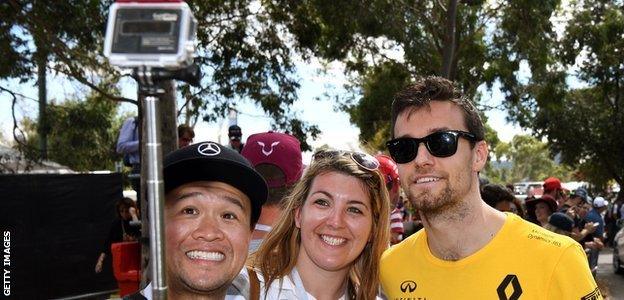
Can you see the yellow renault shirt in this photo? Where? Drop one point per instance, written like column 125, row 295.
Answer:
column 523, row 261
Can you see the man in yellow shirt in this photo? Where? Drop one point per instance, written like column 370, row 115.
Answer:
column 467, row 249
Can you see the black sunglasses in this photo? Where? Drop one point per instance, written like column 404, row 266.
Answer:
column 439, row 144
column 365, row 161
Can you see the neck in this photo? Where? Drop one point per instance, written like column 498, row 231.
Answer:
column 320, row 283
column 268, row 217
column 463, row 229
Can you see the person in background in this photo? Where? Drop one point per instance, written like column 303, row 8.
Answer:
column 552, row 187
column 186, row 134
column 539, row 210
column 573, row 201
column 128, row 145
column 235, row 134
column 560, row 223
column 597, row 243
column 125, row 228
column 499, row 197
column 389, row 170
column 331, row 233
column 610, row 218
column 583, row 230
column 277, row 157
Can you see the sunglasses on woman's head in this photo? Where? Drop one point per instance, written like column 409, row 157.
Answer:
column 440, row 144
column 363, row 160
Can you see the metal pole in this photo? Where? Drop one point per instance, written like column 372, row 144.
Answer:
column 155, row 197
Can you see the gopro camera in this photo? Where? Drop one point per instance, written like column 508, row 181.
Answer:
column 159, row 35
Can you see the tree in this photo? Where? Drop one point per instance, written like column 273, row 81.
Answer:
column 583, row 120
column 530, row 161
column 82, row 133
column 372, row 111
column 243, row 54
column 469, row 42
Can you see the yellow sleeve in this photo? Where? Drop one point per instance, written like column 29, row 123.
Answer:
column 571, row 278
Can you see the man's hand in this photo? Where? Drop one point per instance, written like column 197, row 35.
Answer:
column 590, row 227
column 100, row 261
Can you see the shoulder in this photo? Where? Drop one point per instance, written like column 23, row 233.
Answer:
column 240, row 285
column 282, row 288
column 404, row 247
column 538, row 239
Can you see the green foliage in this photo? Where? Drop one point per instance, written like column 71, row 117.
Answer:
column 242, row 53
column 83, row 133
column 584, row 122
column 58, row 29
column 531, row 161
column 366, row 34
column 373, row 109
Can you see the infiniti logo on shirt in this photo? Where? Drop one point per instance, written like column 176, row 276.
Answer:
column 408, row 286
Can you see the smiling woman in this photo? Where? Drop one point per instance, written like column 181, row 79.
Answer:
column 331, row 233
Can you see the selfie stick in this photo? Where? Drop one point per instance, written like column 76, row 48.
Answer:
column 156, row 39
column 148, row 79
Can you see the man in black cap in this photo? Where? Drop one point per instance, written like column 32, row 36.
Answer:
column 235, row 134
column 213, row 198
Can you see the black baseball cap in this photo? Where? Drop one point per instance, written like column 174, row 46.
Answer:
column 210, row 161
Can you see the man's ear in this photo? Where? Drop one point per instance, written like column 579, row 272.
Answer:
column 480, row 156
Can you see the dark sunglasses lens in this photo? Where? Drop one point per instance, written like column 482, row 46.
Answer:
column 366, row 161
column 442, row 144
column 402, row 150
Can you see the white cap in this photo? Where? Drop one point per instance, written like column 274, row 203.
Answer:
column 600, row 202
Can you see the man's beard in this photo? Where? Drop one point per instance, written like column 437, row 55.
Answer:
column 429, row 204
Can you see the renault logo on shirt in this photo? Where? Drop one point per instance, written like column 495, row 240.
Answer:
column 503, row 289
column 408, row 286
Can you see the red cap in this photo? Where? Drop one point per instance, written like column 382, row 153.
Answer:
column 552, row 183
column 278, row 149
column 389, row 169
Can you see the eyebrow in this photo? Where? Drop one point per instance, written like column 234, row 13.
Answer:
column 232, row 200
column 348, row 202
column 430, row 131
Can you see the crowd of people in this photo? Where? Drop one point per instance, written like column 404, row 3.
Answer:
column 572, row 213
column 250, row 221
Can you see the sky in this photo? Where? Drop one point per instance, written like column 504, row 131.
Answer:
column 336, row 131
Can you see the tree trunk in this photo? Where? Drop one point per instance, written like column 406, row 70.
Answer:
column 168, row 113
column 449, row 39
column 41, row 58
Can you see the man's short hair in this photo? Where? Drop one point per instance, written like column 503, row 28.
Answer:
column 182, row 128
column 433, row 88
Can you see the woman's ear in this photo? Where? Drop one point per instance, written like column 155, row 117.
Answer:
column 298, row 217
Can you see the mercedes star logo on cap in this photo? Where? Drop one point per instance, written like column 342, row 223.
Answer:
column 209, row 149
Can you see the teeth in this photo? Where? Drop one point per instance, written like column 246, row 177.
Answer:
column 213, row 256
column 427, row 179
column 334, row 241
